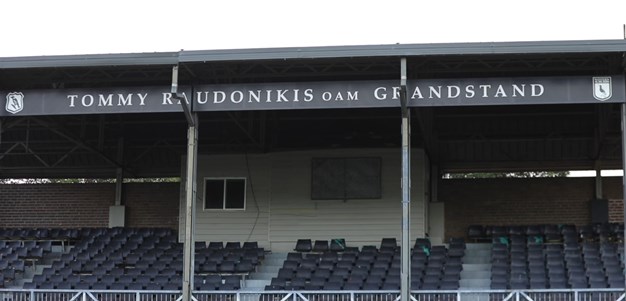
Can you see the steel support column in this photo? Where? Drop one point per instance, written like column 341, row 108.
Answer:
column 599, row 191
column 405, row 282
column 624, row 171
column 119, row 172
column 190, row 190
column 190, row 212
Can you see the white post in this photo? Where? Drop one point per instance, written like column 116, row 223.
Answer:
column 624, row 169
column 190, row 211
column 405, row 281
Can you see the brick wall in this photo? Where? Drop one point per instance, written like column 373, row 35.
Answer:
column 523, row 201
column 613, row 191
column 56, row 205
column 152, row 204
column 514, row 201
column 87, row 205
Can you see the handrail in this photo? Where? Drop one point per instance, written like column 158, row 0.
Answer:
column 462, row 291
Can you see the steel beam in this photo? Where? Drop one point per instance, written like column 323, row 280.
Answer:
column 405, row 281
column 425, row 120
column 183, row 103
column 57, row 129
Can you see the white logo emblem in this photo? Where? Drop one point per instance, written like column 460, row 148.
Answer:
column 15, row 102
column 602, row 88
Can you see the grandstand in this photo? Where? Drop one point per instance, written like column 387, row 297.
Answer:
column 286, row 175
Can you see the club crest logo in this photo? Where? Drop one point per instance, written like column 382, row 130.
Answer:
column 602, row 88
column 15, row 102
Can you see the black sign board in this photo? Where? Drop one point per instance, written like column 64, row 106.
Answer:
column 318, row 95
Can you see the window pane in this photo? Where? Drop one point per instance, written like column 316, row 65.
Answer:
column 235, row 193
column 214, row 194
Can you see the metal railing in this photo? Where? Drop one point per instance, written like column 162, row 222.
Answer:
column 439, row 295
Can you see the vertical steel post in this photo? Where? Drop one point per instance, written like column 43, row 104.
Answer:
column 599, row 190
column 405, row 281
column 190, row 210
column 190, row 189
column 624, row 171
column 119, row 173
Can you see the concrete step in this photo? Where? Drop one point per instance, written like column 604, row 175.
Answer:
column 475, row 284
column 255, row 289
column 274, row 259
column 476, row 274
column 256, row 283
column 40, row 267
column 268, row 269
column 262, row 276
column 277, row 255
column 476, row 296
column 478, row 252
column 477, row 246
column 476, row 267
column 468, row 259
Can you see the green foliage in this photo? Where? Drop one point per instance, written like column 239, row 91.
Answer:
column 87, row 180
column 522, row 174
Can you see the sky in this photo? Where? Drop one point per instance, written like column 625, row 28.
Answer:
column 44, row 27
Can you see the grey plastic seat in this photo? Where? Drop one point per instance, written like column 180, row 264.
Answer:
column 304, row 245
column 332, row 286
column 320, row 246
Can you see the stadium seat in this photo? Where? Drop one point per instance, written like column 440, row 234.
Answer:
column 233, row 245
column 388, row 243
column 81, row 286
column 476, row 233
column 216, row 245
column 332, row 286
column 337, row 244
column 65, row 286
column 320, row 246
column 303, row 245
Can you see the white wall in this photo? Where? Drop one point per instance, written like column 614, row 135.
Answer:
column 282, row 190
column 233, row 225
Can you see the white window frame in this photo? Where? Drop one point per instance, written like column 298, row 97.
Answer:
column 245, row 192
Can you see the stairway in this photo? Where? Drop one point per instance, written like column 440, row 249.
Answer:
column 257, row 280
column 476, row 274
column 30, row 271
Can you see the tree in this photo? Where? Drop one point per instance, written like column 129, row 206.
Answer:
column 521, row 174
column 87, row 180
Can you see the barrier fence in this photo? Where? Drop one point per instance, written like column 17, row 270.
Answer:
column 461, row 295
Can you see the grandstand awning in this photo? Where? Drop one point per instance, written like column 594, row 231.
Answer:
column 43, row 135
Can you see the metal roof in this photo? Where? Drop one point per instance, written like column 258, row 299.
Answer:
column 90, row 60
column 406, row 50
column 438, row 49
